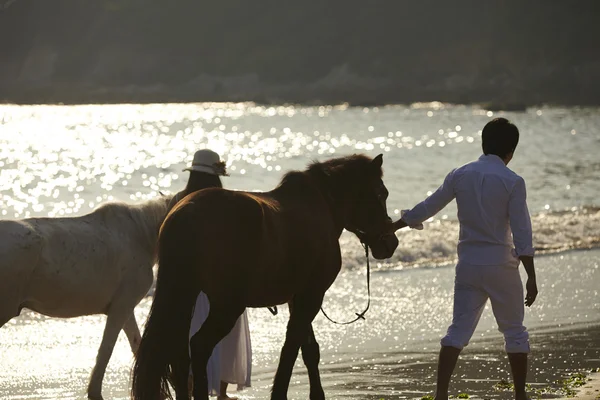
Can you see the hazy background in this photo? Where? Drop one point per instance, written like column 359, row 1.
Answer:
column 510, row 53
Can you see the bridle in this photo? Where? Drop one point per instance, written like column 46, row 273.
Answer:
column 362, row 314
column 362, row 236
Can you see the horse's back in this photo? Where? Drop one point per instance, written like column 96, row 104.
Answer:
column 224, row 231
column 69, row 266
column 248, row 239
column 221, row 217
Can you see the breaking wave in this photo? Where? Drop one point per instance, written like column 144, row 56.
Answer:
column 576, row 228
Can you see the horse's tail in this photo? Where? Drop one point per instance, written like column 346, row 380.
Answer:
column 170, row 314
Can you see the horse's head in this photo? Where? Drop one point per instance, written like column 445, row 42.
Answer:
column 367, row 217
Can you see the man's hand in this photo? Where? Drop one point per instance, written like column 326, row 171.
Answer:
column 397, row 225
column 532, row 291
column 531, row 284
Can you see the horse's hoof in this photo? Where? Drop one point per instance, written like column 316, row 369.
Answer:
column 317, row 396
column 96, row 396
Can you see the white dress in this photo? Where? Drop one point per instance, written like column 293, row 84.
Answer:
column 231, row 360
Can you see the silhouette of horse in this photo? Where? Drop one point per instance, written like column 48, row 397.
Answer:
column 99, row 263
column 255, row 250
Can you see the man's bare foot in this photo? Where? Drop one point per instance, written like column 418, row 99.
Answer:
column 521, row 396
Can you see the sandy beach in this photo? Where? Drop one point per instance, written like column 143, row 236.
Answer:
column 391, row 355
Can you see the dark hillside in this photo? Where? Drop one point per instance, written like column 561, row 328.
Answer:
column 310, row 51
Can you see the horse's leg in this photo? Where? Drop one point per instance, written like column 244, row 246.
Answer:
column 221, row 319
column 305, row 308
column 180, row 365
column 133, row 333
column 115, row 320
column 311, row 357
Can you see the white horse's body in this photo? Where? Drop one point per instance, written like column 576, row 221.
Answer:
column 99, row 263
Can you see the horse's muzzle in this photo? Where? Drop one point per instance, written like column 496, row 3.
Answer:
column 384, row 246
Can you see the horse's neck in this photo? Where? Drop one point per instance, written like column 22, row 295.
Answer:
column 338, row 202
column 315, row 186
column 148, row 218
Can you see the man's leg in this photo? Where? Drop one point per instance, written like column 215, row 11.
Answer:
column 469, row 302
column 518, row 366
column 446, row 364
column 506, row 294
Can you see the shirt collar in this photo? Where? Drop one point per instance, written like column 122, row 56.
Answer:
column 492, row 158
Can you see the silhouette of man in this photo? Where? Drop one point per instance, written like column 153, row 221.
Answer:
column 491, row 201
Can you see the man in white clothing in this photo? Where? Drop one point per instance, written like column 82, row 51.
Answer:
column 491, row 201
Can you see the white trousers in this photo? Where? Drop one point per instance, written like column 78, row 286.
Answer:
column 473, row 285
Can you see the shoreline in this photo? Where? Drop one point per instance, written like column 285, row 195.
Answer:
column 484, row 105
column 589, row 391
column 72, row 95
column 482, row 371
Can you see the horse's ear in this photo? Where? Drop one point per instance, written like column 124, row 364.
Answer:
column 377, row 162
column 161, row 193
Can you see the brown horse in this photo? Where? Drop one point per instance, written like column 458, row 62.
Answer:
column 256, row 250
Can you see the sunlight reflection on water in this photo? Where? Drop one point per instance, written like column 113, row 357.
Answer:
column 65, row 160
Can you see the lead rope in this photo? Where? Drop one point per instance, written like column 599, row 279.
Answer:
column 362, row 314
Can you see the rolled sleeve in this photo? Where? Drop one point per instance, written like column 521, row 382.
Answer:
column 520, row 221
column 433, row 204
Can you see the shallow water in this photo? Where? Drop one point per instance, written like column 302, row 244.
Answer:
column 45, row 358
column 65, row 160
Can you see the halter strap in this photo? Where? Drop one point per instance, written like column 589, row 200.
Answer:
column 362, row 314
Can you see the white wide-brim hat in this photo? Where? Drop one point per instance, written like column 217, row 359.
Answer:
column 209, row 162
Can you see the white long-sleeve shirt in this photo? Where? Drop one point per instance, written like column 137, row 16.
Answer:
column 491, row 201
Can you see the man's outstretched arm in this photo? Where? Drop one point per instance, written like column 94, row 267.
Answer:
column 428, row 207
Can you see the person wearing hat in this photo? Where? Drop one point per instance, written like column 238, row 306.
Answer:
column 231, row 360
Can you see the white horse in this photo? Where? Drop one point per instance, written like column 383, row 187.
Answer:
column 99, row 263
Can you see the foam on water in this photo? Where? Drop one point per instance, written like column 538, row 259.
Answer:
column 577, row 228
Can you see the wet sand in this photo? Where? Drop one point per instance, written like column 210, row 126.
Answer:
column 556, row 355
column 591, row 390
column 391, row 355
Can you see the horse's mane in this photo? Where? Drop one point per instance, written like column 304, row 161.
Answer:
column 331, row 177
column 147, row 216
column 342, row 167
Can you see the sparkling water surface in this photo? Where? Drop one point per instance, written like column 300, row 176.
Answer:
column 66, row 160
